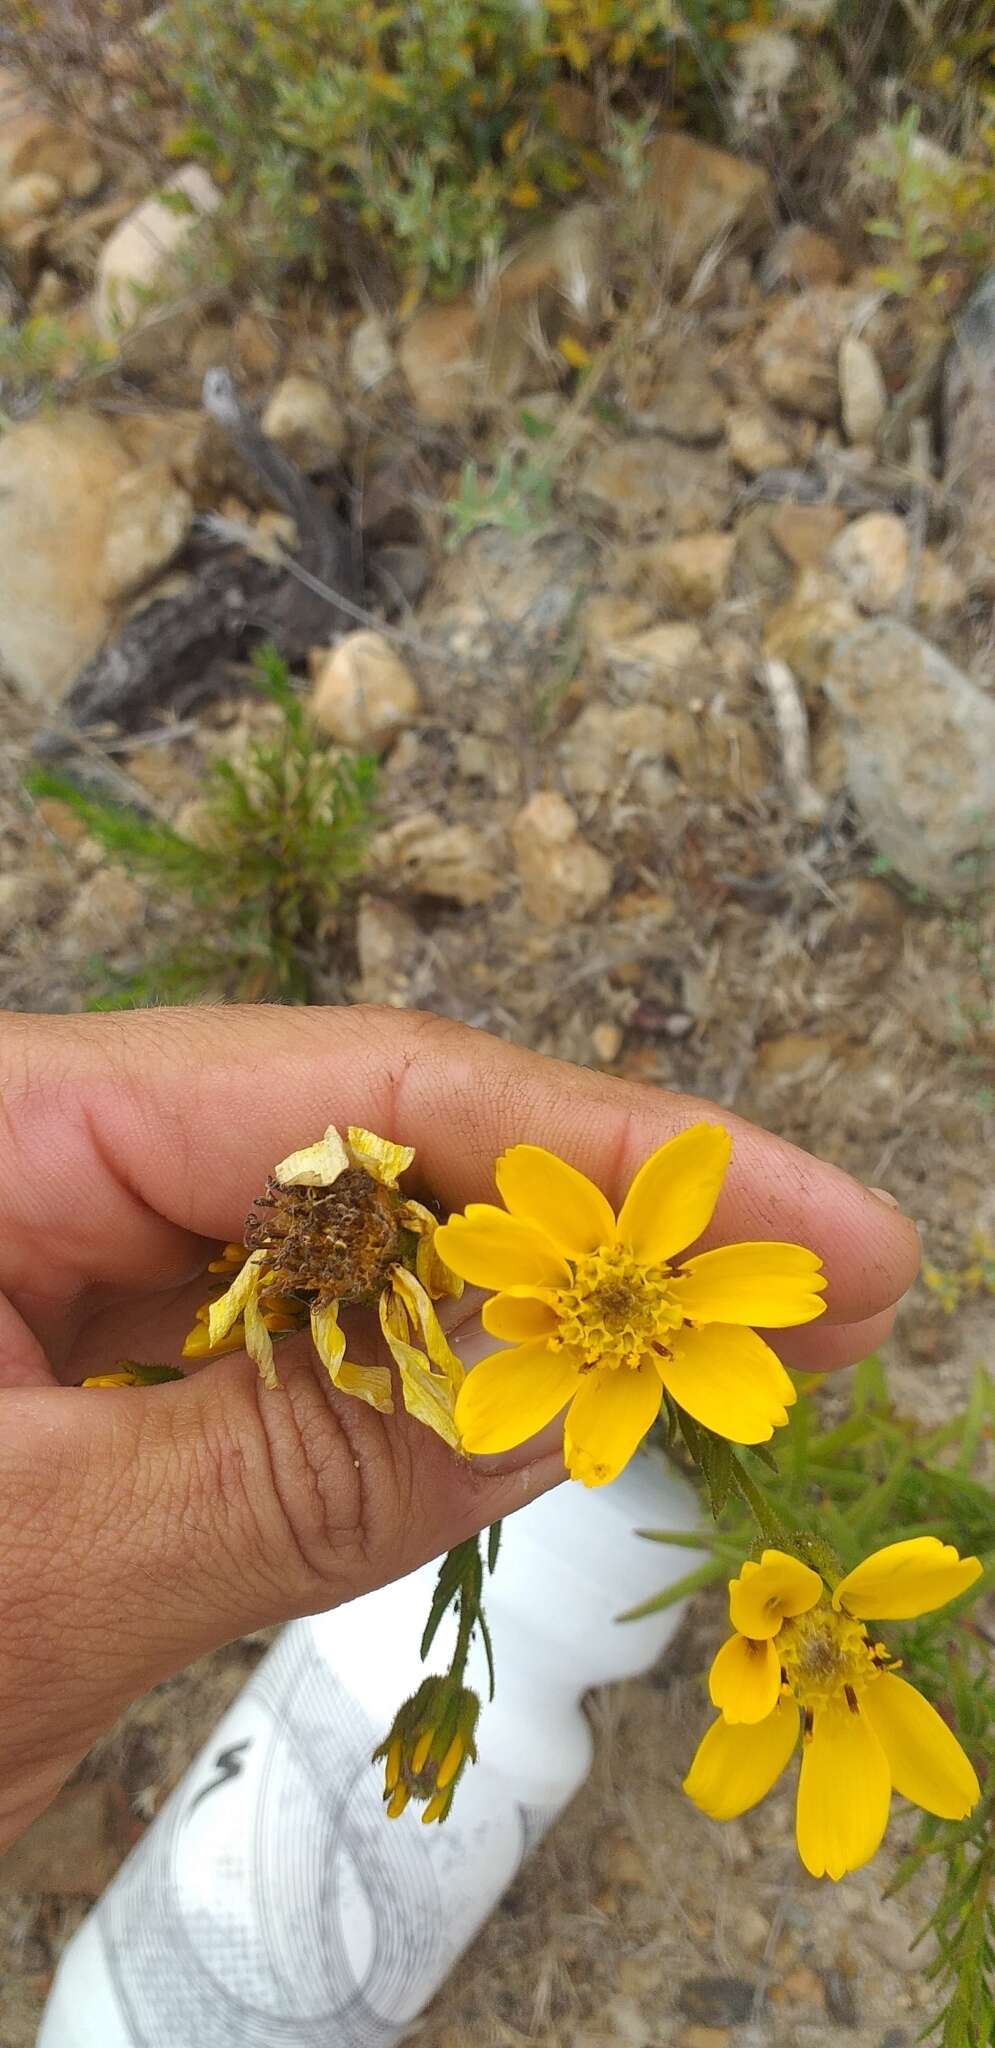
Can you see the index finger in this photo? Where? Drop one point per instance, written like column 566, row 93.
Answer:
column 189, row 1110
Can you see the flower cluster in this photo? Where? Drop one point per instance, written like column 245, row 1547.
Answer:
column 333, row 1229
column 428, row 1747
column 802, row 1659
column 604, row 1317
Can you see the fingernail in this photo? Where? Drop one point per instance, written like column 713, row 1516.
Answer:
column 883, row 1196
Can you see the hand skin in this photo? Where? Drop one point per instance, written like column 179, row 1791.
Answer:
column 142, row 1527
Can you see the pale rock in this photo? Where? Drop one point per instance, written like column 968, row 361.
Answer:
column 863, row 395
column 304, row 420
column 920, row 751
column 605, row 745
column 797, row 354
column 427, row 857
column 51, row 293
column 32, row 142
column 608, row 619
column 606, row 1044
column 695, row 570
column 140, row 264
column 871, row 556
column 891, row 1936
column 805, row 533
column 969, row 437
column 666, row 393
column 149, row 516
column 710, row 746
column 661, row 652
column 255, row 345
column 750, row 1928
column 58, row 477
column 563, row 877
column 20, row 902
column 363, row 693
column 649, row 480
column 389, row 943
column 33, row 197
column 755, row 442
column 438, row 356
column 804, row 629
column 799, row 255
column 104, row 910
column 698, row 2036
column 698, row 199
column 939, row 587
column 369, row 354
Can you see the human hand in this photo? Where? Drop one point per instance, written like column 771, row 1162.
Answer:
column 142, row 1527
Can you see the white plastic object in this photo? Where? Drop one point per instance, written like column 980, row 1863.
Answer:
column 271, row 1904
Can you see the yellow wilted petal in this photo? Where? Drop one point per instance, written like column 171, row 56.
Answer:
column 777, row 1285
column 562, row 1203
column 745, row 1680
column 517, row 1317
column 674, row 1193
column 315, row 1166
column 428, row 1396
column 906, row 1579
column 329, row 1337
column 765, row 1593
column 434, row 1274
column 230, row 1306
column 574, row 352
column 491, row 1249
column 511, row 1396
column 926, row 1761
column 844, row 1793
column 734, row 1768
column 259, row 1344
column 382, row 1160
column 730, row 1380
column 607, row 1421
column 408, row 1288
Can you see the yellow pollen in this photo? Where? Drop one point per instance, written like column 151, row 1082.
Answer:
column 826, row 1656
column 616, row 1310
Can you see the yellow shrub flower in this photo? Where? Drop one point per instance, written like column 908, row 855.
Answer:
column 603, row 1318
column 428, row 1747
column 801, row 1658
column 333, row 1228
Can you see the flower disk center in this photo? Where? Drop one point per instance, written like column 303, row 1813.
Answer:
column 337, row 1243
column 616, row 1310
column 826, row 1656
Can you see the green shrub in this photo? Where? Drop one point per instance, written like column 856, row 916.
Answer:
column 280, row 836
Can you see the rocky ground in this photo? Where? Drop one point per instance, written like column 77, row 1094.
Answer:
column 687, row 774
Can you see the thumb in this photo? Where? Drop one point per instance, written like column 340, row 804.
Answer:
column 143, row 1527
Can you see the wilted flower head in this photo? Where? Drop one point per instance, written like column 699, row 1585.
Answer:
column 801, row 1658
column 604, row 1317
column 428, row 1747
column 333, row 1229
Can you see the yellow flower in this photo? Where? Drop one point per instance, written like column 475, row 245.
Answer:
column 602, row 1317
column 333, row 1228
column 803, row 1658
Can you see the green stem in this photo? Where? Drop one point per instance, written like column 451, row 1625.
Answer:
column 766, row 1517
column 469, row 1606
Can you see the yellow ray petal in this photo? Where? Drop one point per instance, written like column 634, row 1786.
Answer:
column 517, row 1317
column 429, row 1396
column 905, row 1579
column 608, row 1419
column 419, row 1307
column 432, row 1271
column 926, row 1761
column 734, row 1768
column 765, row 1593
column 259, row 1343
column 844, row 1793
column 369, row 1383
column 382, row 1160
column 329, row 1337
column 777, row 1285
column 673, row 1194
column 230, row 1306
column 314, row 1166
column 492, row 1249
column 730, row 1380
column 745, row 1680
column 567, row 1207
column 511, row 1395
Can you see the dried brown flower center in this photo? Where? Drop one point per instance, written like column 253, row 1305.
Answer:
column 336, row 1243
